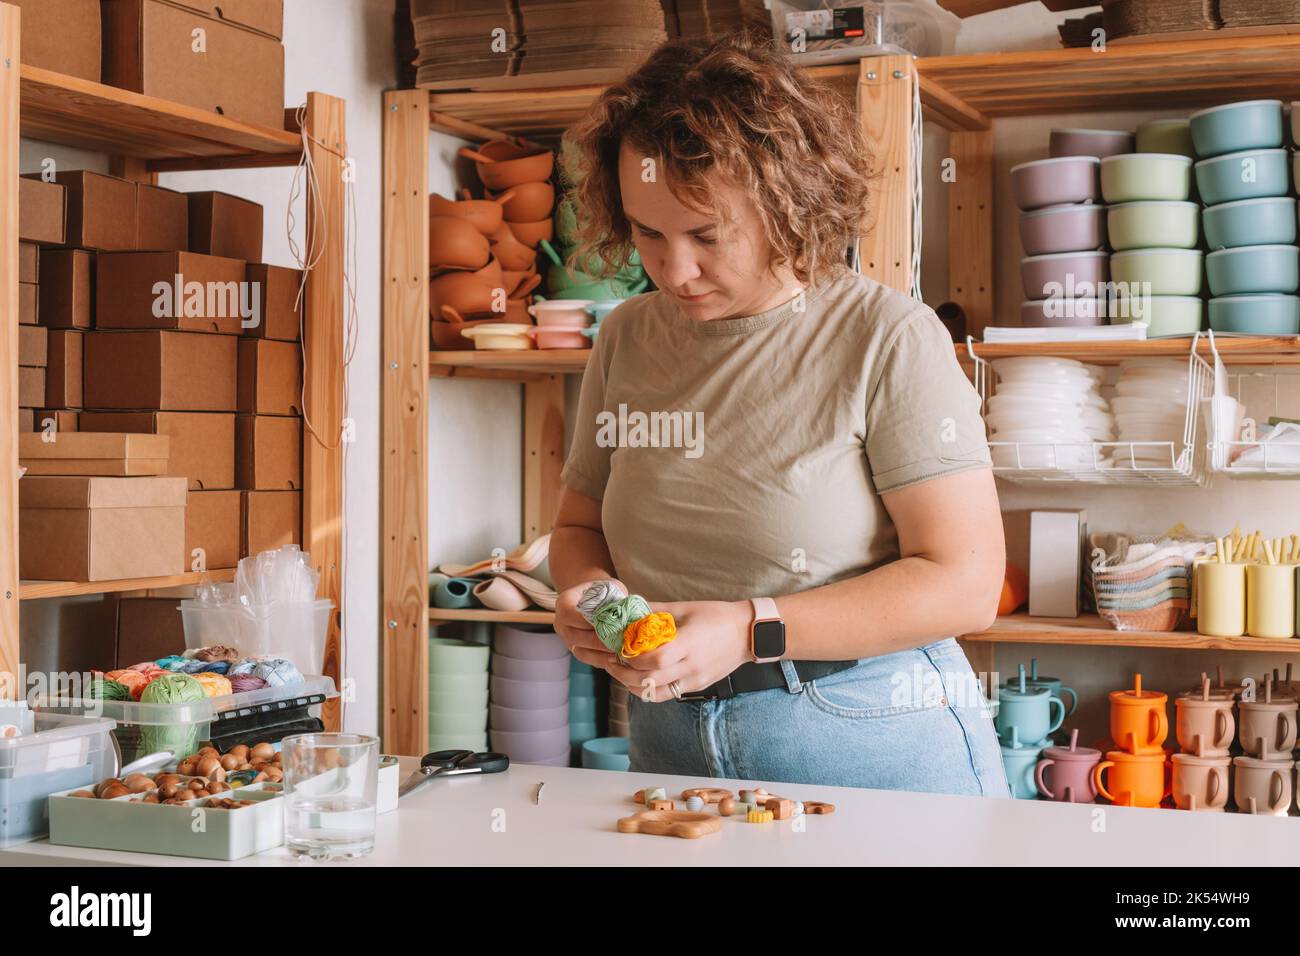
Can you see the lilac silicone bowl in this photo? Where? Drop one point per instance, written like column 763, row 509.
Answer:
column 1072, row 274
column 516, row 720
column 1052, row 182
column 1090, row 142
column 1078, row 227
column 530, row 745
column 529, row 694
column 527, row 645
column 518, row 668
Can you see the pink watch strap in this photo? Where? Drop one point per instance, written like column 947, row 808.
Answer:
column 765, row 609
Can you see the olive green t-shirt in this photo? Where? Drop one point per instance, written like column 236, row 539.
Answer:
column 746, row 457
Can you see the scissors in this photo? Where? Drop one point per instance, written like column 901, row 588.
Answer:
column 450, row 763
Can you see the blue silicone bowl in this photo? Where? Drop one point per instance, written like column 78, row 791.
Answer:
column 606, row 753
column 1268, row 221
column 1252, row 270
column 1256, row 314
column 1251, row 124
column 1251, row 174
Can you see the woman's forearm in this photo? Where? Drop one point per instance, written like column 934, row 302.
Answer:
column 900, row 605
column 578, row 554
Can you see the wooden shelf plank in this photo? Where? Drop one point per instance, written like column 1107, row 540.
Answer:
column 1254, row 350
column 540, row 361
column 439, row 615
column 35, row 590
column 1089, row 629
column 1164, row 75
column 74, row 112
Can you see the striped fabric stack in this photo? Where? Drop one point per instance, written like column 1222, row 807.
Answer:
column 1144, row 584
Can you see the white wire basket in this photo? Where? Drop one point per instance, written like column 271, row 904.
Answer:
column 1251, row 431
column 1181, row 462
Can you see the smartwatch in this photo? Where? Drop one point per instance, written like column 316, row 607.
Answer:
column 767, row 633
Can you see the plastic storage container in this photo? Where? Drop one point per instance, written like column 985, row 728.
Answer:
column 63, row 752
column 841, row 31
column 266, row 714
column 295, row 632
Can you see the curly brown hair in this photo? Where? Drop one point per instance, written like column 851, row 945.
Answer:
column 735, row 105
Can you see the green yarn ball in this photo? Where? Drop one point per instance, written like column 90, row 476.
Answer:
column 180, row 739
column 101, row 688
column 612, row 619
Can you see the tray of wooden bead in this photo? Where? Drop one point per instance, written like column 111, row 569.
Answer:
column 704, row 809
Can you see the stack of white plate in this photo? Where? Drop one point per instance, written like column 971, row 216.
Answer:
column 618, row 726
column 1052, row 408
column 1150, row 405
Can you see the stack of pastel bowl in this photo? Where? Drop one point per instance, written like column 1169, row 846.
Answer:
column 1053, row 412
column 1154, row 229
column 1150, row 407
column 606, row 753
column 458, row 695
column 1250, row 219
column 1063, row 229
column 529, row 716
column 582, row 704
column 618, row 725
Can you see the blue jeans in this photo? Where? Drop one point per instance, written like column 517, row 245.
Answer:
column 911, row 720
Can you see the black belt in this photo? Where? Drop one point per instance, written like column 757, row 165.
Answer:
column 751, row 677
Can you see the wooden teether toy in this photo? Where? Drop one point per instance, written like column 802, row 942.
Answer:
column 675, row 823
column 817, row 807
column 707, row 794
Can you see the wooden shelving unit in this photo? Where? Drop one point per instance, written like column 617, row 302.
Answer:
column 961, row 94
column 1091, row 630
column 1254, row 350
column 144, row 136
column 443, row 616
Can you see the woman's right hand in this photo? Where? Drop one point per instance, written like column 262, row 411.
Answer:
column 578, row 635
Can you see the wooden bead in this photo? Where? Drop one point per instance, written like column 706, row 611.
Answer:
column 661, row 805
column 726, row 805
column 782, row 809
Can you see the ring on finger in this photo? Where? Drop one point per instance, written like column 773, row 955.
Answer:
column 676, row 688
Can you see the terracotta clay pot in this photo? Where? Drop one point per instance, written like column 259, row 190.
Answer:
column 511, row 253
column 447, row 335
column 530, row 202
column 454, row 243
column 484, row 214
column 520, row 282
column 502, row 164
column 531, row 233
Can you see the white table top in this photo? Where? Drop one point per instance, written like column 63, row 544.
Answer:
column 492, row 821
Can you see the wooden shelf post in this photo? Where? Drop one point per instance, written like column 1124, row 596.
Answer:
column 9, row 98
column 405, row 453
column 885, row 93
column 543, row 453
column 322, row 453
column 970, row 227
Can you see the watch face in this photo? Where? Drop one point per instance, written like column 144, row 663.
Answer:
column 769, row 639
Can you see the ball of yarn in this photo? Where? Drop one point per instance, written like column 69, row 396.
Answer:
column 277, row 672
column 145, row 667
column 132, row 680
column 180, row 738
column 240, row 683
column 214, row 667
column 648, row 633
column 612, row 619
column 102, row 688
column 597, row 595
column 217, row 652
column 214, row 685
column 245, row 666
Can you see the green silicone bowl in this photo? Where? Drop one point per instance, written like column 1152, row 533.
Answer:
column 1256, row 314
column 1252, row 174
column 1250, row 222
column 1133, row 177
column 1251, row 124
column 1165, row 315
column 1253, row 270
column 1168, row 271
column 1166, row 136
column 1153, row 225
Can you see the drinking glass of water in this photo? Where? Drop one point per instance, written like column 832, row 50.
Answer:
column 330, row 787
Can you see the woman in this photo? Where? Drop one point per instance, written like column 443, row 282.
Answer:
column 771, row 426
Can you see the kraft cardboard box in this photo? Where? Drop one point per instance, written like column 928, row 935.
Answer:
column 33, row 346
column 29, row 262
column 148, row 629
column 270, row 377
column 268, row 453
column 165, row 371
column 26, row 419
column 31, row 387
column 225, row 225
column 269, row 520
column 162, row 219
column 261, row 16
column 212, row 523
column 54, row 420
column 61, row 35
column 29, row 297
column 101, row 210
column 42, row 211
column 63, row 375
column 202, row 443
column 67, row 299
column 203, row 292
column 277, row 290
column 84, row 453
column 100, row 529
column 149, row 48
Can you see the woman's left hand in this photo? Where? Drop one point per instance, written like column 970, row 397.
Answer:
column 712, row 641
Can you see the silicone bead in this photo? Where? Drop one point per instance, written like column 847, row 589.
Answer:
column 655, row 793
column 759, row 816
column 694, row 803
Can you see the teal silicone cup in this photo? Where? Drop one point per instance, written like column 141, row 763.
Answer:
column 1134, row 177
column 1256, row 314
column 606, row 753
column 453, row 593
column 1253, row 174
column 1169, row 271
column 1153, row 225
column 581, row 709
column 1270, row 221
column 1253, row 270
column 1251, row 124
column 1165, row 315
